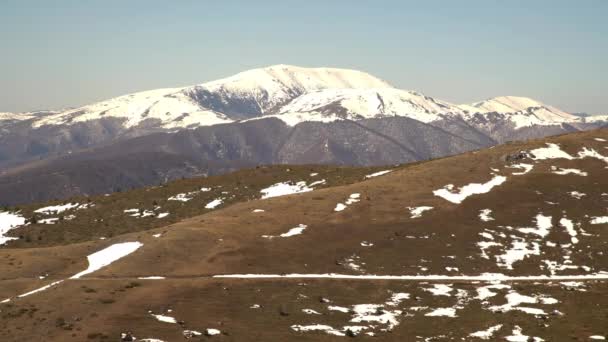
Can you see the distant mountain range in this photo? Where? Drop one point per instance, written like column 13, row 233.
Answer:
column 279, row 114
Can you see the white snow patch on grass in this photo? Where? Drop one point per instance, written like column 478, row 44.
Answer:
column 569, row 225
column 442, row 312
column 151, row 278
column 183, row 197
column 310, row 312
column 416, row 212
column 440, row 290
column 519, row 337
column 525, row 167
column 552, row 151
column 488, row 333
column 107, row 256
column 563, row 172
column 468, row 190
column 9, row 221
column 285, row 188
column 379, row 173
column 317, row 327
column 577, row 194
column 353, row 198
column 292, row 232
column 514, row 300
column 258, row 210
column 165, row 319
column 213, row 204
column 519, row 250
column 212, row 332
column 486, row 215
column 56, row 209
column 340, row 207
column 543, row 225
column 338, row 308
column 599, row 220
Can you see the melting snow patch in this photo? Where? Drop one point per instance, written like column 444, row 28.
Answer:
column 397, row 298
column 165, row 319
column 485, row 215
column 566, row 223
column 338, row 308
column 552, row 151
column 366, row 244
column 56, row 209
column 353, row 198
column 258, row 210
column 214, row 203
column 440, row 290
column 375, row 313
column 519, row 337
column 317, row 327
column 339, row 207
column 9, row 221
column 519, row 251
column 468, row 190
column 514, row 300
column 488, row 333
column 599, row 139
column 525, row 167
column 139, row 212
column 416, row 212
column 597, row 337
column 599, row 220
column 284, row 188
column 292, row 232
column 151, row 278
column 379, row 173
column 442, row 312
column 577, row 194
column 107, row 256
column 543, row 224
column 212, row 332
column 486, row 292
column 162, row 215
column 591, row 153
column 563, row 172
column 310, row 312
column 184, row 197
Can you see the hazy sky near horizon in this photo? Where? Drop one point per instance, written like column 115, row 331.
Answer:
column 63, row 53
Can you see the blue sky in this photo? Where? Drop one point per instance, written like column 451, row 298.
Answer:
column 70, row 53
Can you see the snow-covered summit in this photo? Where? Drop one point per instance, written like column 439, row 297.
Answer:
column 521, row 111
column 596, row 118
column 245, row 95
column 15, row 116
column 512, row 104
column 371, row 102
column 296, row 94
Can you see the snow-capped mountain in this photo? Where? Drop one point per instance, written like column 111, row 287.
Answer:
column 521, row 111
column 245, row 95
column 356, row 104
column 597, row 118
column 15, row 116
column 295, row 94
